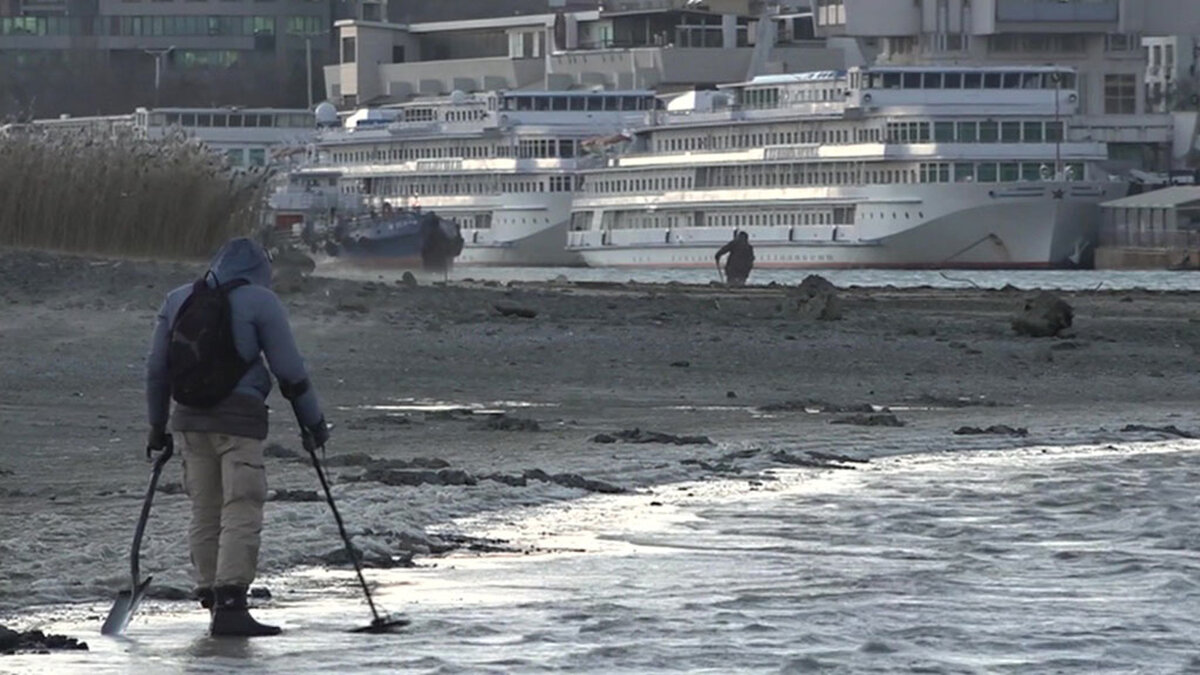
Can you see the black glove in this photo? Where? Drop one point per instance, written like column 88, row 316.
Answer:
column 158, row 440
column 315, row 436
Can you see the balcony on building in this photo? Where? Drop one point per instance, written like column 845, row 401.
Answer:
column 1064, row 16
column 867, row 18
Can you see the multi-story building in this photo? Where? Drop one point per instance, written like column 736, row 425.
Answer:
column 1102, row 39
column 124, row 49
column 665, row 45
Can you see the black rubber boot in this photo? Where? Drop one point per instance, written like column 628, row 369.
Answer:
column 231, row 618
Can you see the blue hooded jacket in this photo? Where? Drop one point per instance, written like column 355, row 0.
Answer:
column 260, row 327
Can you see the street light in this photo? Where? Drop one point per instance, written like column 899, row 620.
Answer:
column 1058, row 128
column 158, row 55
column 308, row 58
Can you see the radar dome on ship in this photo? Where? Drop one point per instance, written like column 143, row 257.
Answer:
column 326, row 114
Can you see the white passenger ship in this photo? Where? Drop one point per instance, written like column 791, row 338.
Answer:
column 502, row 165
column 905, row 167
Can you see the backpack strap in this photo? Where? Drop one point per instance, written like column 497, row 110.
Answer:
column 230, row 285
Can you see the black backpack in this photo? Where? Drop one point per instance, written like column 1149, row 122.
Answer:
column 202, row 361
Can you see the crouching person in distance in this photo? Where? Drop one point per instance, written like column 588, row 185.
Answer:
column 207, row 354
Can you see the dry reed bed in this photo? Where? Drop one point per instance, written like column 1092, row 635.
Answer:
column 114, row 193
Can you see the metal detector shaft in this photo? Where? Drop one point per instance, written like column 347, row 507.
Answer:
column 345, row 537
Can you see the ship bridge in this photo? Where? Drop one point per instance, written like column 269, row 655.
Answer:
column 950, row 89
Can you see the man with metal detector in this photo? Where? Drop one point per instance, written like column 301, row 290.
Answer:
column 740, row 261
column 207, row 355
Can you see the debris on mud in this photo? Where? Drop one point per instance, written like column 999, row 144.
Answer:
column 640, row 436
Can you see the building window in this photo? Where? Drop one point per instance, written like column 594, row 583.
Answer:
column 348, row 50
column 1121, row 42
column 304, row 25
column 1120, row 94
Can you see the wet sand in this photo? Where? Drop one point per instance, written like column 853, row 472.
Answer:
column 596, row 359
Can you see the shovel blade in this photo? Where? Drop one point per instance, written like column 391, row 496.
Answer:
column 384, row 625
column 123, row 608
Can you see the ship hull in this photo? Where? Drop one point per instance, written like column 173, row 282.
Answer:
column 1002, row 226
column 543, row 248
column 526, row 230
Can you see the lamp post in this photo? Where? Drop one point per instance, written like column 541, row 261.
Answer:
column 1058, row 130
column 158, row 55
column 308, row 67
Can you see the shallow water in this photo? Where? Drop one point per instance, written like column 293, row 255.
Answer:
column 1038, row 560
column 1066, row 280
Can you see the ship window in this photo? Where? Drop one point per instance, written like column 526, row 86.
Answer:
column 1012, row 81
column 1010, row 132
column 912, row 80
column 964, row 172
column 972, row 80
column 932, row 81
column 943, row 132
column 558, row 103
column 987, row 172
column 1031, row 171
column 953, row 81
column 595, row 103
column 577, row 103
column 988, row 131
column 991, row 80
column 541, row 103
column 891, row 80
column 1033, row 132
column 1010, row 172
column 1054, row 131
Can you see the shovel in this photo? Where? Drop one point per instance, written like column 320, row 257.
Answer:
column 127, row 601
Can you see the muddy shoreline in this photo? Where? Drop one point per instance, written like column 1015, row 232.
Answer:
column 766, row 385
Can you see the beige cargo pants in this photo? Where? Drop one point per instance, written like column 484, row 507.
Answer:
column 227, row 483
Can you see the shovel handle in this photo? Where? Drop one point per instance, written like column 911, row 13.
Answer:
column 140, row 530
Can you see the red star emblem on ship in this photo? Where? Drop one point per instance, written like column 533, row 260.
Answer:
column 1058, row 194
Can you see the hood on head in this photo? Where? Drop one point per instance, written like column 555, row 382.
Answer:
column 242, row 258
